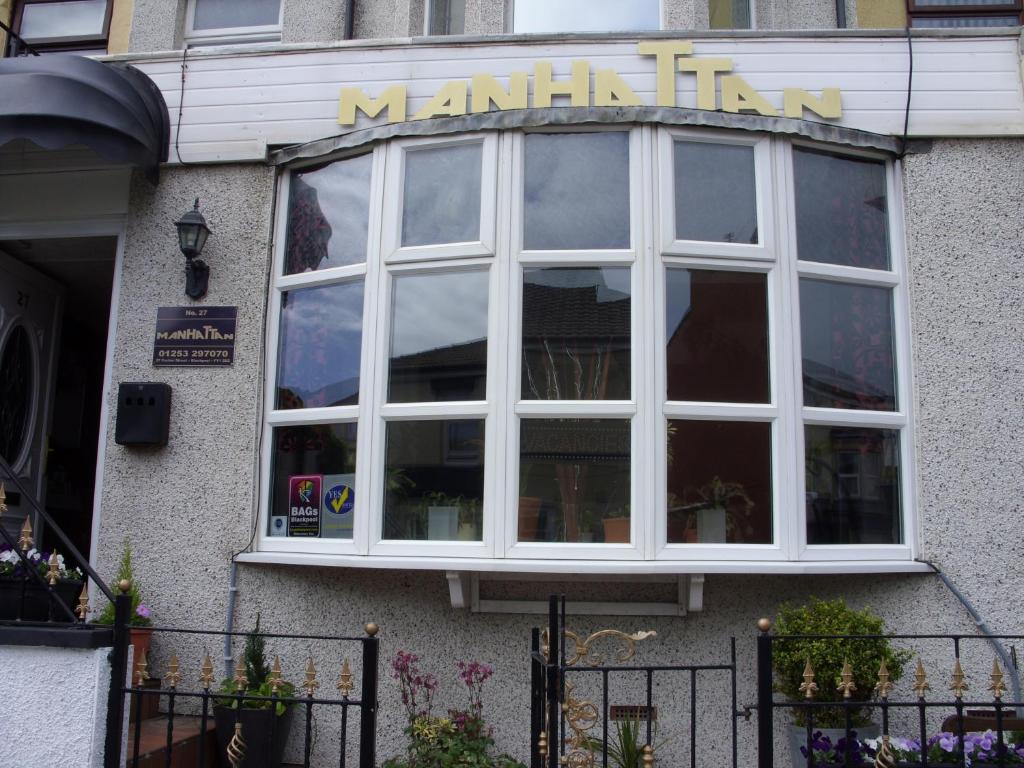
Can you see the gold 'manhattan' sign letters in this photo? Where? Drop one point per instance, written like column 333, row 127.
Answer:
column 671, row 57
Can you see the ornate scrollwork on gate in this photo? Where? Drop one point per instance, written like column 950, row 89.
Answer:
column 581, row 716
column 582, row 650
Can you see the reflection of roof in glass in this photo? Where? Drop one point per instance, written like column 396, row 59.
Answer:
column 587, row 312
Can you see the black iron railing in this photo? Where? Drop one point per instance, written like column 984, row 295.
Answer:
column 927, row 720
column 564, row 724
column 188, row 695
column 17, row 45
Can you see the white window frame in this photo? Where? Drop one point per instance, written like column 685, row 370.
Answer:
column 652, row 250
column 394, row 196
column 257, row 33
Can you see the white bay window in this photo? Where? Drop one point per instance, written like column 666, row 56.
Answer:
column 589, row 345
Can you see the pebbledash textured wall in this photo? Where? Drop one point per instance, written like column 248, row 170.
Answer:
column 187, row 507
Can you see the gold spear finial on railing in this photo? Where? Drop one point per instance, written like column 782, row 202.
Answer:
column 276, row 678
column 83, row 602
column 3, row 499
column 173, row 674
column 920, row 680
column 997, row 686
column 648, row 752
column 542, row 744
column 25, row 540
column 959, row 684
column 808, row 687
column 885, row 758
column 236, row 747
column 53, row 575
column 206, row 673
column 310, row 684
column 846, row 686
column 345, row 684
column 883, row 686
column 141, row 669
column 240, row 679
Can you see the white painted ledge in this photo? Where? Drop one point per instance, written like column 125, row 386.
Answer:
column 561, row 567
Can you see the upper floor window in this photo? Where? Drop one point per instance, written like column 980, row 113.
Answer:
column 544, row 16
column 729, row 14
column 78, row 26
column 214, row 22
column 964, row 13
column 601, row 344
column 446, row 17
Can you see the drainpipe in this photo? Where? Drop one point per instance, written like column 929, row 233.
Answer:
column 841, row 14
column 350, row 18
column 229, row 624
column 1008, row 664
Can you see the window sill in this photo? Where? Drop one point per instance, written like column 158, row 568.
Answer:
column 488, row 565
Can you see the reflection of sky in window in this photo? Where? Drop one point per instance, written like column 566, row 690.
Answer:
column 576, row 191
column 586, row 15
column 343, row 194
column 442, row 195
column 63, row 19
column 437, row 311
column 677, row 299
column 321, row 331
column 612, row 282
column 218, row 14
column 715, row 195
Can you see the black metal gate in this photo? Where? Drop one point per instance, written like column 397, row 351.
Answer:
column 573, row 728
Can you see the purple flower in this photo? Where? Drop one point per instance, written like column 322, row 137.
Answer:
column 143, row 611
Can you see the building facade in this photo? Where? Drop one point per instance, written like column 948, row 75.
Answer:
column 684, row 312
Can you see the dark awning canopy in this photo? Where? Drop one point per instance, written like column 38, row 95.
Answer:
column 58, row 100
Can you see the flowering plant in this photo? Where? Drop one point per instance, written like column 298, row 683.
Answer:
column 462, row 738
column 980, row 749
column 13, row 567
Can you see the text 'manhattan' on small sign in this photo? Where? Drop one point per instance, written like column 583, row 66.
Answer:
column 195, row 336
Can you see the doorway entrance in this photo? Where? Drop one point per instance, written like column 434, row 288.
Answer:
column 55, row 296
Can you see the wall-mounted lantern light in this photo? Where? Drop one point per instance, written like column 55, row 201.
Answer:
column 192, row 234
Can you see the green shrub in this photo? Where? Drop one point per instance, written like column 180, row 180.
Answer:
column 827, row 656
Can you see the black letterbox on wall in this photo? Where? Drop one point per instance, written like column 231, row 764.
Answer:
column 143, row 413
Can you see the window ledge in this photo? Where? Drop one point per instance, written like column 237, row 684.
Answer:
column 487, row 565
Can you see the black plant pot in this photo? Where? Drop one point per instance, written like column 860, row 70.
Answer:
column 36, row 606
column 263, row 731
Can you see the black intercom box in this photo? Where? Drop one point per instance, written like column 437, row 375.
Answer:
column 143, row 413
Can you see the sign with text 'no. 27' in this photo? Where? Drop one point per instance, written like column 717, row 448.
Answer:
column 195, row 336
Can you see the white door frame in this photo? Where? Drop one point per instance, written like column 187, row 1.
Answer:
column 108, row 226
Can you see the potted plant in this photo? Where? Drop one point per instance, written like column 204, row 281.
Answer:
column 827, row 659
column 16, row 581
column 718, row 511
column 462, row 738
column 616, row 526
column 264, row 723
column 140, row 618
column 626, row 745
column 442, row 515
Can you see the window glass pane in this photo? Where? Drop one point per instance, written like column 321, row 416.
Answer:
column 716, row 198
column 328, row 215
column 719, row 482
column 846, row 338
column 318, row 354
column 223, row 14
column 574, row 480
column 434, row 480
column 447, row 17
column 729, row 14
column 586, row 15
column 944, row 22
column 441, row 203
column 577, row 191
column 313, row 481
column 439, row 337
column 576, row 334
column 853, row 485
column 841, row 210
column 717, row 336
column 84, row 18
column 956, row 3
